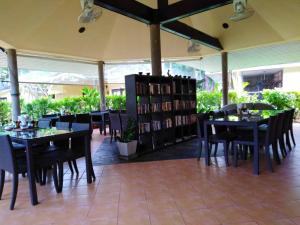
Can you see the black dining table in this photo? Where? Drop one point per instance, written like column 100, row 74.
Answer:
column 31, row 137
column 252, row 120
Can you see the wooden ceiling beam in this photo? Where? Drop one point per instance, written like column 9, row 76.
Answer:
column 129, row 8
column 185, row 8
column 185, row 31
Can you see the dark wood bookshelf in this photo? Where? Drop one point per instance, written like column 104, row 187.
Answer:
column 164, row 109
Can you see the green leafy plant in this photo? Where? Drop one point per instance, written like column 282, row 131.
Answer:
column 90, row 98
column 280, row 99
column 129, row 134
column 208, row 101
column 116, row 102
column 4, row 112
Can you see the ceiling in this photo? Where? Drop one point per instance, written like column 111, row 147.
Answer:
column 51, row 27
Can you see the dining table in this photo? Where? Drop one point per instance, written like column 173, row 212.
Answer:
column 35, row 136
column 253, row 119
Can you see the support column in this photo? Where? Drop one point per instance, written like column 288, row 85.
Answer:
column 225, row 77
column 155, row 49
column 14, row 83
column 101, row 85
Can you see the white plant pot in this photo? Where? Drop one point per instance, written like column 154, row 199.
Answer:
column 127, row 149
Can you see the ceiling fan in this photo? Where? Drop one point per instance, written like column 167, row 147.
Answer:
column 240, row 10
column 193, row 46
column 90, row 12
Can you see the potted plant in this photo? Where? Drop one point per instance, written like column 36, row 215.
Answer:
column 127, row 143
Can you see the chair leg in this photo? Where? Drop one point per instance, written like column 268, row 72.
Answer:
column 282, row 147
column 216, row 150
column 111, row 135
column 269, row 158
column 235, row 149
column 226, row 153
column 24, row 175
column 75, row 166
column 287, row 141
column 200, row 150
column 2, row 180
column 70, row 166
column 14, row 191
column 292, row 135
column 276, row 153
column 60, row 175
column 55, row 179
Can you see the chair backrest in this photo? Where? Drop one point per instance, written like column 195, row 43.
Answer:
column 291, row 118
column 115, row 121
column 7, row 157
column 62, row 125
column 50, row 115
column 44, row 123
column 262, row 106
column 124, row 120
column 83, row 118
column 271, row 132
column 77, row 143
column 62, row 143
column 218, row 128
column 229, row 107
column 67, row 118
column 279, row 126
column 201, row 118
column 286, row 119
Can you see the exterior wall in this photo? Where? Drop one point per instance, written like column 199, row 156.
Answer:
column 291, row 79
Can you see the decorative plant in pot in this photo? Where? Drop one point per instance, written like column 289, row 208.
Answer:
column 127, row 143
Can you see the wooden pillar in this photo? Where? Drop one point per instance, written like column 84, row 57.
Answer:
column 14, row 83
column 225, row 77
column 155, row 49
column 101, row 85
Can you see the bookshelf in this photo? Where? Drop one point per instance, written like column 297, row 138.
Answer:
column 164, row 109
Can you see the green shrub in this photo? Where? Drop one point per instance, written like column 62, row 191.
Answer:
column 208, row 101
column 4, row 112
column 279, row 99
column 116, row 102
column 90, row 98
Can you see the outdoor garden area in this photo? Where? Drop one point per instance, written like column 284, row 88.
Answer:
column 89, row 101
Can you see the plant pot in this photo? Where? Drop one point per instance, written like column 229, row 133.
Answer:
column 127, row 149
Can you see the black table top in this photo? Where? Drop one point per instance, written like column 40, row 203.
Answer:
column 254, row 116
column 36, row 133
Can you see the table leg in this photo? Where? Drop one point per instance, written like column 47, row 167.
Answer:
column 103, row 124
column 88, row 158
column 31, row 175
column 206, row 149
column 255, row 150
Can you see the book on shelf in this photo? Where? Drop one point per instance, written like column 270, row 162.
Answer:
column 178, row 120
column 154, row 89
column 143, row 108
column 156, row 125
column 144, row 127
column 166, row 106
column 168, row 123
column 141, row 88
column 156, row 107
column 177, row 104
column 166, row 89
column 193, row 118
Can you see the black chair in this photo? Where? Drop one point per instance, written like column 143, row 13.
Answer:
column 291, row 130
column 65, row 144
column 201, row 117
column 279, row 133
column 266, row 138
column 44, row 123
column 262, row 106
column 16, row 164
column 67, row 118
column 124, row 122
column 115, row 124
column 221, row 135
column 84, row 118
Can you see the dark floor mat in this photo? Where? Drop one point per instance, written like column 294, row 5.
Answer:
column 108, row 153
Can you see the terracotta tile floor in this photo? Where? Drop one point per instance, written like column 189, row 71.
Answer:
column 176, row 192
